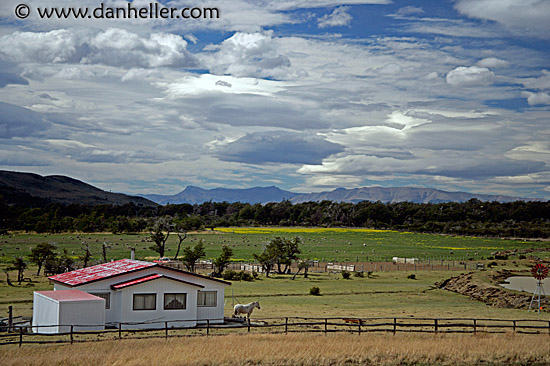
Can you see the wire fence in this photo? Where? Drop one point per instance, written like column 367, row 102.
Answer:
column 19, row 335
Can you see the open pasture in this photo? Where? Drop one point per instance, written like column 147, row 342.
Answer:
column 337, row 244
column 294, row 349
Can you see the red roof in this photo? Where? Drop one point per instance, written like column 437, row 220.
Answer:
column 69, row 295
column 155, row 276
column 100, row 272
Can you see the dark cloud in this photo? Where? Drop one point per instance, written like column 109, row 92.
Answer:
column 278, row 147
column 7, row 78
column 20, row 122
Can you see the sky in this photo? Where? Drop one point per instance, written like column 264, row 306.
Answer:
column 300, row 94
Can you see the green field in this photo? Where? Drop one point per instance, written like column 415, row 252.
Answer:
column 383, row 294
column 318, row 244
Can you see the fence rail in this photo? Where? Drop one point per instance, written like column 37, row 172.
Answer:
column 163, row 329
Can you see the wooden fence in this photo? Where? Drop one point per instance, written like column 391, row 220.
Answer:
column 27, row 335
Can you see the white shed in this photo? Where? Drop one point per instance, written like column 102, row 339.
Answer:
column 56, row 311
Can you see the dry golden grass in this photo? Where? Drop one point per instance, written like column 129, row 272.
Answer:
column 294, row 349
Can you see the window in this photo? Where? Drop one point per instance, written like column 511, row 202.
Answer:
column 207, row 298
column 175, row 301
column 104, row 295
column 145, row 301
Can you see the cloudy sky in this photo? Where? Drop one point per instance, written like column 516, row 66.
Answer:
column 306, row 95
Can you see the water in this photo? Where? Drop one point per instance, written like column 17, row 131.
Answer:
column 526, row 284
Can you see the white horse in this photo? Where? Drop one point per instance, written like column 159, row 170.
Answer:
column 246, row 309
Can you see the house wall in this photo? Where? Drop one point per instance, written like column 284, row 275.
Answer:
column 45, row 311
column 89, row 314
column 214, row 314
column 185, row 317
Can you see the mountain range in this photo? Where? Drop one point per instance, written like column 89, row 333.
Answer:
column 194, row 195
column 33, row 190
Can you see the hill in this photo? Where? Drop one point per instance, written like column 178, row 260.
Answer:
column 28, row 189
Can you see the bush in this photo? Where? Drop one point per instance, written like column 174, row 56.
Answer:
column 231, row 275
column 315, row 291
column 358, row 274
column 346, row 275
column 411, row 277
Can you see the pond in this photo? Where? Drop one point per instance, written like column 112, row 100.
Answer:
column 526, row 284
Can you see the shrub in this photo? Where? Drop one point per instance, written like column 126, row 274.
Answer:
column 411, row 277
column 315, row 291
column 358, row 274
column 346, row 275
column 231, row 275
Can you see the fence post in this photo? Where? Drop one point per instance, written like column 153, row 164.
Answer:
column 20, row 336
column 435, row 326
column 119, row 330
column 72, row 338
column 207, row 327
column 514, row 326
column 475, row 326
column 359, row 326
column 286, row 325
column 166, row 330
column 394, row 325
column 248, row 325
column 326, row 325
column 10, row 319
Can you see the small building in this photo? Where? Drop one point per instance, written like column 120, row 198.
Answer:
column 56, row 311
column 140, row 294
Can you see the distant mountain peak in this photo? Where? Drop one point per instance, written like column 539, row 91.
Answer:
column 197, row 195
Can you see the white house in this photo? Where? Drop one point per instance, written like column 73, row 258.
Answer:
column 137, row 292
column 56, row 311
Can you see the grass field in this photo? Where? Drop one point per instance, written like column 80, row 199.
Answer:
column 294, row 349
column 318, row 244
column 384, row 294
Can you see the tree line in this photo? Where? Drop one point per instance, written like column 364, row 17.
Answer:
column 474, row 217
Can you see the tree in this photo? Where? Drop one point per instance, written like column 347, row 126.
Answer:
column 41, row 253
column 159, row 238
column 266, row 260
column 18, row 265
column 303, row 264
column 104, row 248
column 222, row 261
column 181, row 238
column 279, row 252
column 284, row 251
column 61, row 264
column 87, row 253
column 191, row 256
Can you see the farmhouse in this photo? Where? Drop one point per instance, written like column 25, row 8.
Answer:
column 136, row 292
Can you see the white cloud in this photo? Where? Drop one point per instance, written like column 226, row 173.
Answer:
column 492, row 62
column 409, row 10
column 536, row 98
column 542, row 82
column 470, row 76
column 248, row 55
column 526, row 17
column 338, row 18
column 113, row 47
